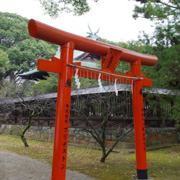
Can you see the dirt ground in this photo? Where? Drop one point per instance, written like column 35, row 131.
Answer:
column 16, row 167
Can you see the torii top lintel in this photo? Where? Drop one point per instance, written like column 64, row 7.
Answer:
column 56, row 36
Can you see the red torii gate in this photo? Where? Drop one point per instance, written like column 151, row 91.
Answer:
column 110, row 56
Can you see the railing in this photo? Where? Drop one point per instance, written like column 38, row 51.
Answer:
column 156, row 115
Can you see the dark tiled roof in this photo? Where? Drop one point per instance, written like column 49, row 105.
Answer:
column 92, row 90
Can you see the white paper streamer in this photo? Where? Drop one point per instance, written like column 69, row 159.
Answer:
column 77, row 79
column 99, row 83
column 115, row 87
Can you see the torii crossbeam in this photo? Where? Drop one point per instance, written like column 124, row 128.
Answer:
column 111, row 55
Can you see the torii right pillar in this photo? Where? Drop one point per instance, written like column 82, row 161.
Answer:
column 139, row 124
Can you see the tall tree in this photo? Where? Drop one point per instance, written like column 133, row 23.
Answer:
column 165, row 41
column 22, row 50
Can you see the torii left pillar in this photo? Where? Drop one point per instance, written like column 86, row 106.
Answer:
column 62, row 114
column 62, row 107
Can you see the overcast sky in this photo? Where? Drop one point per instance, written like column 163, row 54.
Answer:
column 113, row 17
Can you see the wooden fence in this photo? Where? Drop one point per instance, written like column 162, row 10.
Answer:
column 92, row 107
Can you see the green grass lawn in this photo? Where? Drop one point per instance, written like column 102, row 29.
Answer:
column 163, row 164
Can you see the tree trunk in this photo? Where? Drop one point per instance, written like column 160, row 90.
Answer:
column 24, row 141
column 103, row 157
column 26, row 128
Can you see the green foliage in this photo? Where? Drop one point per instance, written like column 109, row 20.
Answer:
column 54, row 7
column 3, row 59
column 24, row 56
column 157, row 9
column 171, row 66
column 18, row 51
column 165, row 74
column 3, row 63
column 165, row 41
column 46, row 86
column 13, row 29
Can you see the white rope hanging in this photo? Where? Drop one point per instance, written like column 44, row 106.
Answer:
column 99, row 83
column 77, row 79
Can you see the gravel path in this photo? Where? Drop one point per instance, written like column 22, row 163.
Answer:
column 17, row 167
